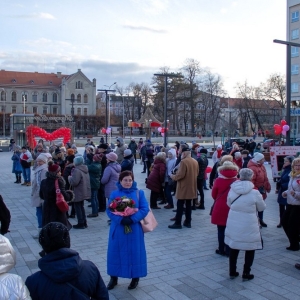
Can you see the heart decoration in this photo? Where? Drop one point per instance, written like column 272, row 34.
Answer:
column 33, row 131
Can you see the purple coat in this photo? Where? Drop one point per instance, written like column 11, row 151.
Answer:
column 111, row 177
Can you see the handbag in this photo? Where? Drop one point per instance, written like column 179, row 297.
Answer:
column 60, row 200
column 149, row 223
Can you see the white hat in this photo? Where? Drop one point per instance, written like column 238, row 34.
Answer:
column 220, row 146
column 257, row 156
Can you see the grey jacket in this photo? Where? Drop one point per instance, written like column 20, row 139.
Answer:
column 38, row 175
column 111, row 177
column 80, row 181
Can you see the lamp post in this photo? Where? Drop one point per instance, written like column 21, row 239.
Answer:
column 288, row 83
column 72, row 114
column 166, row 75
column 3, row 109
column 106, row 105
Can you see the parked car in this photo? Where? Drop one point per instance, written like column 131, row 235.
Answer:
column 270, row 142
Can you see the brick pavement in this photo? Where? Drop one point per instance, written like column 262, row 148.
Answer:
column 182, row 264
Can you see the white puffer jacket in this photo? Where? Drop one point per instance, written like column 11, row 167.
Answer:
column 242, row 228
column 12, row 286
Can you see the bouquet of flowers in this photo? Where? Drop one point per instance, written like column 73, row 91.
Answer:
column 124, row 207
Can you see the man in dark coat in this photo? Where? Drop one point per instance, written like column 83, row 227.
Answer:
column 128, row 161
column 102, row 148
column 246, row 157
column 147, row 152
column 63, row 274
column 202, row 163
column 133, row 147
column 252, row 146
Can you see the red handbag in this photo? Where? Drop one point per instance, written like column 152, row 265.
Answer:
column 60, row 200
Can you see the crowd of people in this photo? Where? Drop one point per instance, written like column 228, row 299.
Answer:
column 238, row 181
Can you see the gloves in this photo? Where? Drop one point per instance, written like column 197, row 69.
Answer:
column 126, row 221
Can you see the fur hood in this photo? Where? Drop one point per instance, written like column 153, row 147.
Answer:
column 228, row 170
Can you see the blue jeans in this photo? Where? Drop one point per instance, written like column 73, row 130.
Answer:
column 168, row 192
column 94, row 201
column 80, row 212
column 26, row 174
column 39, row 215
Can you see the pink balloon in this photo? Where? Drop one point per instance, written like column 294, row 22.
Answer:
column 162, row 134
column 283, row 132
column 285, row 127
column 159, row 129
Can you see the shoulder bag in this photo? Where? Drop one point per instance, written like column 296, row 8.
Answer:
column 60, row 200
column 149, row 223
column 212, row 207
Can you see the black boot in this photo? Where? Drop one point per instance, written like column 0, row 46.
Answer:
column 112, row 283
column 247, row 276
column 17, row 179
column 133, row 284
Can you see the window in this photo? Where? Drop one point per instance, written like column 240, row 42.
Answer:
column 78, row 98
column 78, row 85
column 34, row 110
column 34, row 97
column 3, row 96
column 13, row 109
column 72, row 96
column 45, row 110
column 295, row 87
column 79, row 111
column 85, row 111
column 45, row 96
column 295, row 16
column 295, row 34
column 13, row 96
column 54, row 110
column 85, row 98
column 24, row 97
column 54, row 98
column 295, row 69
column 295, row 51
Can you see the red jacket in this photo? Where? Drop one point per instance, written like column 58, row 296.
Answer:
column 157, row 176
column 219, row 193
column 260, row 177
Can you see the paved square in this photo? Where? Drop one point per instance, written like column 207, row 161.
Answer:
column 182, row 264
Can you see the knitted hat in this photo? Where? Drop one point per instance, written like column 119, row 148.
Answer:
column 54, row 236
column 228, row 165
column 70, row 152
column 70, row 158
column 52, row 167
column 78, row 160
column 203, row 150
column 226, row 158
column 220, row 146
column 112, row 156
column 257, row 156
column 98, row 157
column 127, row 152
column 42, row 157
column 57, row 151
column 185, row 149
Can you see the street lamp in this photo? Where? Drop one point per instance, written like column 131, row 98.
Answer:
column 166, row 75
column 107, row 114
column 3, row 109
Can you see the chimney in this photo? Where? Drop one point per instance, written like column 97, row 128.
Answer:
column 58, row 74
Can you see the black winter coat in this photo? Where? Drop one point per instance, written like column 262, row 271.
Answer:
column 65, row 266
column 4, row 217
column 202, row 163
column 48, row 193
column 283, row 184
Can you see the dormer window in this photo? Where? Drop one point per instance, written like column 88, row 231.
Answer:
column 31, row 82
column 50, row 82
column 14, row 81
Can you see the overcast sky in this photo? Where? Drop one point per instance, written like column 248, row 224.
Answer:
column 129, row 40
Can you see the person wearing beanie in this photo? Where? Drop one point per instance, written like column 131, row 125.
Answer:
column 51, row 213
column 282, row 185
column 120, row 149
column 39, row 174
column 17, row 167
column 63, row 273
column 217, row 154
column 59, row 158
column 80, row 181
column 12, row 285
column 128, row 161
column 227, row 175
column 242, row 229
column 111, row 174
column 133, row 147
column 260, row 179
column 95, row 170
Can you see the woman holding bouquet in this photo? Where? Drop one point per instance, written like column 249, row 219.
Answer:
column 126, row 253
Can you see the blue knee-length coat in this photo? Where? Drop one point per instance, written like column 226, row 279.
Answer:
column 126, row 254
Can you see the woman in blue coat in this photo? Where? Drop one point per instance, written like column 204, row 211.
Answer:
column 17, row 168
column 126, row 253
column 282, row 185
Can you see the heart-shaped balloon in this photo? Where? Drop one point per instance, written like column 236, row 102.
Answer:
column 283, row 122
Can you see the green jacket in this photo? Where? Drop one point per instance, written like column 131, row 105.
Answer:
column 95, row 170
